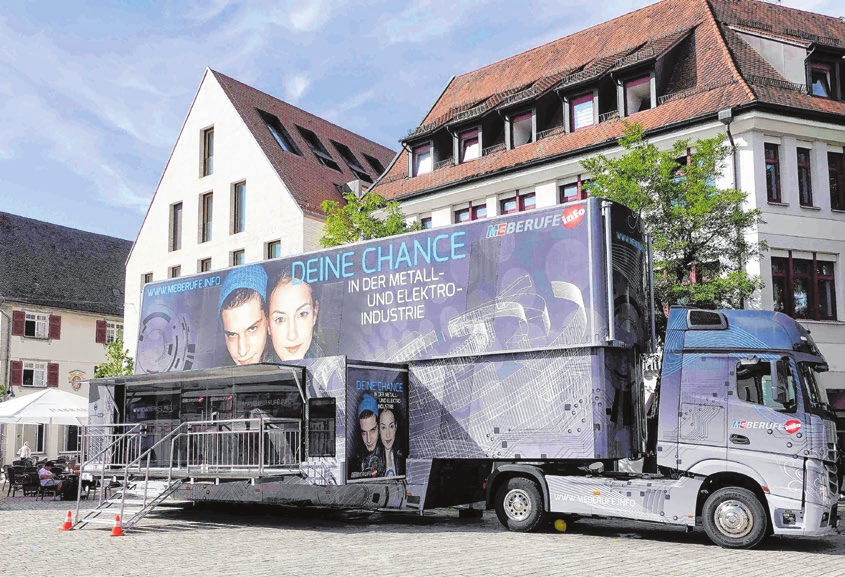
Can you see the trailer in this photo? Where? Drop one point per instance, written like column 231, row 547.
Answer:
column 496, row 362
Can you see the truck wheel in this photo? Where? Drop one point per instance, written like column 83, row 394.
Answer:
column 519, row 505
column 734, row 518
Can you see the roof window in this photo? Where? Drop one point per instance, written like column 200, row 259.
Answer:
column 374, row 163
column 279, row 133
column 352, row 162
column 469, row 145
column 318, row 149
column 820, row 80
column 522, row 129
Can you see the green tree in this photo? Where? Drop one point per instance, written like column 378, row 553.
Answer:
column 356, row 220
column 699, row 231
column 118, row 361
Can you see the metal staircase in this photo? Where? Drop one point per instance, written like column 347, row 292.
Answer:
column 129, row 476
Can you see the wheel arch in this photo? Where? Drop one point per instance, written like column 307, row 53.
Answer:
column 505, row 472
column 724, row 479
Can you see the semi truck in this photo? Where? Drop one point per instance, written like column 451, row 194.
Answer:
column 498, row 362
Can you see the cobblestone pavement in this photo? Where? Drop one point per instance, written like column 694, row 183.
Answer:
column 239, row 541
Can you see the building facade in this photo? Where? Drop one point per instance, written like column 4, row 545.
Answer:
column 244, row 183
column 61, row 303
column 511, row 136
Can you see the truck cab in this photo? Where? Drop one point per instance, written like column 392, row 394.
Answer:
column 741, row 408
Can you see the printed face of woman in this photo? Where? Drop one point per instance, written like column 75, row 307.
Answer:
column 387, row 428
column 293, row 313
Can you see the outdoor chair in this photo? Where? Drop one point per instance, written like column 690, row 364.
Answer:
column 14, row 481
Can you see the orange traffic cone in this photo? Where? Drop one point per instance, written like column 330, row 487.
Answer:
column 117, row 530
column 68, row 524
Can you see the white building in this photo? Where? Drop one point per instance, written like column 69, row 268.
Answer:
column 244, row 183
column 512, row 135
column 61, row 303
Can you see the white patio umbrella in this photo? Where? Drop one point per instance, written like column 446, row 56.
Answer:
column 49, row 407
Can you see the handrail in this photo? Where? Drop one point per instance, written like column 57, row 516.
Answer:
column 122, row 438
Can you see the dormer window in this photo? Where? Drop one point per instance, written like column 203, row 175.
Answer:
column 469, row 145
column 522, row 129
column 421, row 161
column 638, row 95
column 820, row 80
column 581, row 110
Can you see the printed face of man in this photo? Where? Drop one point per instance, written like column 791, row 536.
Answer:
column 369, row 432
column 292, row 317
column 245, row 330
column 387, row 428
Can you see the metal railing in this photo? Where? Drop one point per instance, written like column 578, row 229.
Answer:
column 261, row 443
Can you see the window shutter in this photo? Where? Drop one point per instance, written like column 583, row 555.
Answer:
column 52, row 374
column 101, row 332
column 18, row 323
column 55, row 327
column 17, row 373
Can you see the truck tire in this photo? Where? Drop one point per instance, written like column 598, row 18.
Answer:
column 734, row 518
column 519, row 505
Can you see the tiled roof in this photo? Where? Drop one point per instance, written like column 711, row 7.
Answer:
column 51, row 265
column 308, row 180
column 712, row 68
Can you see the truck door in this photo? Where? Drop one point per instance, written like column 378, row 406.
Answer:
column 764, row 424
column 703, row 408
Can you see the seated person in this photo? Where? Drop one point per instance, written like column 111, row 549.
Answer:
column 48, row 479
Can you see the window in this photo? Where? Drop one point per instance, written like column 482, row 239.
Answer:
column 421, row 160
column 274, row 249
column 147, row 278
column 35, row 434
column 279, row 133
column 804, row 290
column 176, row 226
column 426, row 223
column 206, row 207
column 321, row 427
column 479, row 212
column 572, row 191
column 508, row 205
column 805, row 188
column 522, row 129
column 208, row 151
column 34, row 374
column 352, row 162
column 237, row 257
column 820, row 80
column 318, row 149
column 469, row 146
column 377, row 166
column 836, row 171
column 175, row 271
column 204, row 265
column 581, row 112
column 239, row 208
column 527, row 201
column 37, row 326
column 462, row 215
column 754, row 384
column 637, row 95
column 70, row 443
column 772, row 173
column 114, row 332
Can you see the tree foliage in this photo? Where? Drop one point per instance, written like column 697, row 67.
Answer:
column 356, row 219
column 118, row 362
column 699, row 231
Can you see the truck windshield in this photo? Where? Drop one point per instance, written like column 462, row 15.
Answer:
column 815, row 390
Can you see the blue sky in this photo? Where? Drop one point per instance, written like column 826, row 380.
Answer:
column 93, row 94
